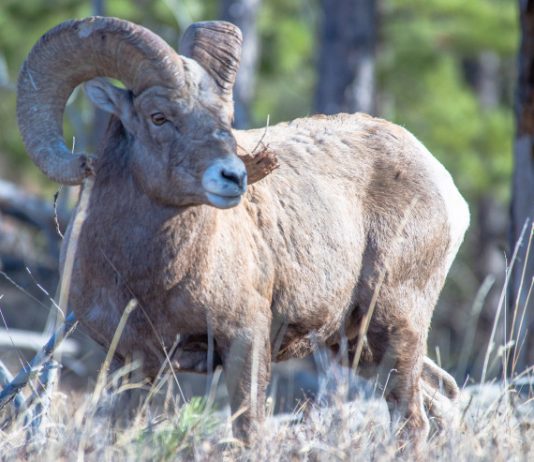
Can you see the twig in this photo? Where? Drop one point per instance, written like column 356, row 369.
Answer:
column 101, row 381
column 44, row 291
column 262, row 136
column 523, row 273
column 27, row 207
column 72, row 245
column 517, row 350
column 500, row 305
column 469, row 337
column 102, row 376
column 21, row 289
column 56, row 220
column 27, row 373
column 156, row 334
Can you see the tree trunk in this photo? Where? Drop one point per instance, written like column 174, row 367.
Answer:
column 482, row 72
column 522, row 207
column 244, row 14
column 346, row 64
column 98, row 7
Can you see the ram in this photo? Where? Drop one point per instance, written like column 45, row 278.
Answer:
column 346, row 245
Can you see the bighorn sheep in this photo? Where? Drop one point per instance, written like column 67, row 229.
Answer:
column 358, row 215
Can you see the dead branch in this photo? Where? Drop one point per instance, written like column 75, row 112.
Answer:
column 19, row 401
column 29, row 372
column 6, row 378
column 260, row 142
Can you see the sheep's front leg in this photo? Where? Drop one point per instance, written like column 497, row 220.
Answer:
column 246, row 363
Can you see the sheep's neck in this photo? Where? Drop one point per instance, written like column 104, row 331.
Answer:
column 142, row 238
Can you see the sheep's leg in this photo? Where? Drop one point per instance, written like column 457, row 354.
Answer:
column 394, row 357
column 440, row 392
column 441, row 410
column 403, row 391
column 246, row 364
column 416, row 387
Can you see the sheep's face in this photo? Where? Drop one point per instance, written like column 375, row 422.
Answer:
column 182, row 151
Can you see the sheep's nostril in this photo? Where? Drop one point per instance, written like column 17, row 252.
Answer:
column 234, row 177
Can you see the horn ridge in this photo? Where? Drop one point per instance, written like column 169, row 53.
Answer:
column 216, row 46
column 69, row 54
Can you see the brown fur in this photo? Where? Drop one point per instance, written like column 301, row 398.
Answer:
column 300, row 255
column 358, row 215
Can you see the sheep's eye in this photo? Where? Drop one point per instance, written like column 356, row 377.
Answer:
column 158, row 118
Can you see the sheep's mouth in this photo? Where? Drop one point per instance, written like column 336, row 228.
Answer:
column 223, row 201
column 224, row 182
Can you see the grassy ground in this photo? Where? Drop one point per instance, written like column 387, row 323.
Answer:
column 496, row 422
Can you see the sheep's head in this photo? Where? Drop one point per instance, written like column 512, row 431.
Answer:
column 177, row 110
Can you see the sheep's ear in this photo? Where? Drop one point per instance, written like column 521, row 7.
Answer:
column 216, row 46
column 109, row 98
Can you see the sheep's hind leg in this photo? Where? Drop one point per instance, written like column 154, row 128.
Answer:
column 440, row 392
column 416, row 388
column 403, row 391
column 394, row 356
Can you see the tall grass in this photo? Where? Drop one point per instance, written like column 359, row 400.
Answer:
column 497, row 423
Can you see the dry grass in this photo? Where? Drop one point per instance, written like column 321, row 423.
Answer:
column 496, row 424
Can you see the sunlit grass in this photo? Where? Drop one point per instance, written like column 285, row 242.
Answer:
column 496, row 423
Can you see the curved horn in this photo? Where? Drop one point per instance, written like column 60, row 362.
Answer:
column 69, row 54
column 216, row 46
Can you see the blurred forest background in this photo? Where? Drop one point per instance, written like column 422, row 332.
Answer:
column 444, row 69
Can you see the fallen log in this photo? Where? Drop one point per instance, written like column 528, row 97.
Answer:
column 29, row 340
column 29, row 208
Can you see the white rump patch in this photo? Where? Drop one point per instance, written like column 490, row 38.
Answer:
column 456, row 206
